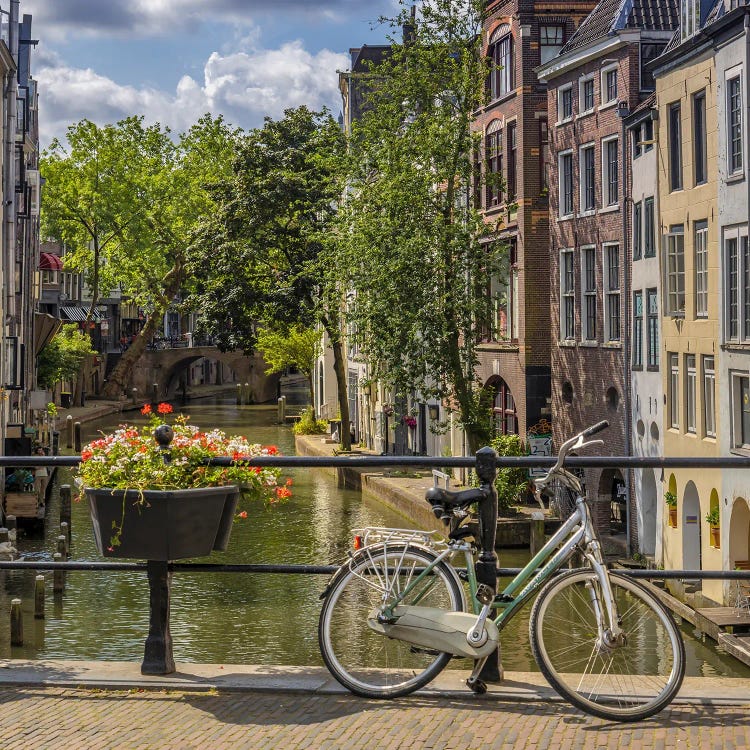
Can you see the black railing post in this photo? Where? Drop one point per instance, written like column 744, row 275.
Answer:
column 486, row 567
column 157, row 654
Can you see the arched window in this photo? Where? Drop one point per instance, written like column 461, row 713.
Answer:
column 493, row 149
column 500, row 53
column 504, row 410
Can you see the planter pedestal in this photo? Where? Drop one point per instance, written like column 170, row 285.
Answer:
column 157, row 655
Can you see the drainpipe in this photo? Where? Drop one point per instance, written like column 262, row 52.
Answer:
column 9, row 191
column 626, row 199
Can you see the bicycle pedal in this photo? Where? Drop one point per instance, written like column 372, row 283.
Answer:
column 485, row 594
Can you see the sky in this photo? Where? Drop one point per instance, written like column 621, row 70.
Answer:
column 174, row 60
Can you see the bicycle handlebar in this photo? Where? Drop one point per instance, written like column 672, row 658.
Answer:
column 598, row 427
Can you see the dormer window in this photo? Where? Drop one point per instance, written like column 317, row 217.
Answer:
column 690, row 18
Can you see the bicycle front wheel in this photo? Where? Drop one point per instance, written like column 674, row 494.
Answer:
column 362, row 660
column 626, row 682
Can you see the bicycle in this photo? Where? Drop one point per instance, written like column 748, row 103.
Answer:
column 395, row 613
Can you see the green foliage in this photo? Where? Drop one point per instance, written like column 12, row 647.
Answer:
column 511, row 484
column 62, row 357
column 670, row 499
column 409, row 238
column 308, row 425
column 294, row 347
column 713, row 517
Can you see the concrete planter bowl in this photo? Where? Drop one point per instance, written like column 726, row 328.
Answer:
column 163, row 525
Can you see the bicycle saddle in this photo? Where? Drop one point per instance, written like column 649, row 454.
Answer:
column 441, row 499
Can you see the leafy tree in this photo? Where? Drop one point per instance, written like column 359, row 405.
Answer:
column 412, row 246
column 62, row 357
column 511, row 484
column 295, row 347
column 126, row 199
column 266, row 259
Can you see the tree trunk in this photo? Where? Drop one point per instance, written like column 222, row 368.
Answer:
column 311, row 386
column 120, row 376
column 339, row 367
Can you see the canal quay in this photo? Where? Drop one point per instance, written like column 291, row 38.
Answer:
column 248, row 669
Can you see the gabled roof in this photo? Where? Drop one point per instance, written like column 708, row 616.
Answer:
column 363, row 58
column 610, row 16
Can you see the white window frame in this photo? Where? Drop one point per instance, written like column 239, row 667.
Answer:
column 588, row 252
column 708, row 377
column 674, row 391
column 731, row 75
column 700, row 267
column 638, row 328
column 612, row 294
column 561, row 193
column 567, row 294
column 582, row 109
column 585, row 210
column 674, row 272
column 738, row 330
column 606, row 203
column 603, row 86
column 560, row 90
column 691, row 384
column 736, row 403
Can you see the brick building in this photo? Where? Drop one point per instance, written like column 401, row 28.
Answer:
column 519, row 35
column 595, row 81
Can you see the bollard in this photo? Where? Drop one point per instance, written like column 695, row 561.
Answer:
column 155, row 393
column 134, row 395
column 4, row 535
column 536, row 535
column 66, row 494
column 65, row 531
column 77, row 437
column 62, row 546
column 16, row 623
column 58, row 579
column 239, row 395
column 55, row 443
column 39, row 598
column 281, row 410
column 69, row 431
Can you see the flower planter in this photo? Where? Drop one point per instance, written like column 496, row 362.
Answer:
column 164, row 525
column 715, row 536
column 673, row 517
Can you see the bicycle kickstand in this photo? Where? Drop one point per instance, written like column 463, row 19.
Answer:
column 477, row 686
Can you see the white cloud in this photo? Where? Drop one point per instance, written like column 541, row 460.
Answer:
column 243, row 86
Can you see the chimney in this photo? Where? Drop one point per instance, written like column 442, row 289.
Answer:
column 409, row 29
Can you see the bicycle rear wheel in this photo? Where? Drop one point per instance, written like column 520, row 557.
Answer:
column 628, row 682
column 362, row 660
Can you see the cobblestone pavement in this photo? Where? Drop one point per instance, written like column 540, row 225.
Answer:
column 53, row 718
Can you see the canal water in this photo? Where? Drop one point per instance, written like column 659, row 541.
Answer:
column 233, row 618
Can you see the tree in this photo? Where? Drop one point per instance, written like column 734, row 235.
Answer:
column 62, row 357
column 266, row 258
column 295, row 347
column 126, row 199
column 412, row 243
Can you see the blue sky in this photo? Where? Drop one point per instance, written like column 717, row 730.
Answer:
column 173, row 60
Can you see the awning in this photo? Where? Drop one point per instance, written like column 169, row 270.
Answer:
column 50, row 262
column 78, row 314
column 45, row 327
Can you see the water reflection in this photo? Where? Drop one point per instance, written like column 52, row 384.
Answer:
column 232, row 618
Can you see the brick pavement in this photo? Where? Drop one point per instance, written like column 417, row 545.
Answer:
column 54, row 718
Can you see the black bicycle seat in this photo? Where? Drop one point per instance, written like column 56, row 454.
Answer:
column 460, row 499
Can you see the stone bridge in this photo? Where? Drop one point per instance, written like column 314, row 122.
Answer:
column 166, row 366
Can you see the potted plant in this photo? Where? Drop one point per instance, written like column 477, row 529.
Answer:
column 712, row 519
column 152, row 495
column 671, row 500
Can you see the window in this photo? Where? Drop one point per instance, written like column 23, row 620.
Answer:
column 734, row 124
column 568, row 295
column 637, row 330
column 701, row 269
column 636, row 141
column 502, row 78
column 511, row 161
column 690, row 17
column 566, row 184
column 504, row 410
column 649, row 240
column 690, row 386
column 674, row 391
column 649, row 51
column 737, row 264
column 586, row 94
column 565, row 103
column 588, row 286
column 675, row 148
column 609, row 85
column 652, row 320
column 700, row 165
column 675, row 271
column 709, row 397
column 504, row 299
column 612, row 291
column 551, row 40
column 741, row 412
column 494, row 153
column 543, row 154
column 609, row 172
column 637, row 230
column 588, row 178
